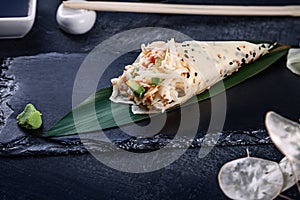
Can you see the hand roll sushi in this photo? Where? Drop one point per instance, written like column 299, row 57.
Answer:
column 167, row 74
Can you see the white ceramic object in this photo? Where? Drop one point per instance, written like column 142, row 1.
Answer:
column 18, row 27
column 293, row 61
column 75, row 21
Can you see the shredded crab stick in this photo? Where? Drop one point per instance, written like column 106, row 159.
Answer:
column 167, row 74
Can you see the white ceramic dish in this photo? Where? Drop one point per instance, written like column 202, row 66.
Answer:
column 18, row 27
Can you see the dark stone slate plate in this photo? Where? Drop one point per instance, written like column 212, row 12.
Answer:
column 46, row 80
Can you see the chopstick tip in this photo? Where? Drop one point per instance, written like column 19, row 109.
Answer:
column 65, row 2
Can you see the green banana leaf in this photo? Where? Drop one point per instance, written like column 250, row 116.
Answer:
column 87, row 122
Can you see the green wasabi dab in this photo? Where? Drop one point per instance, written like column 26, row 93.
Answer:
column 30, row 118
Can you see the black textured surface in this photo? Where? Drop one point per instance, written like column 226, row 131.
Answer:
column 82, row 176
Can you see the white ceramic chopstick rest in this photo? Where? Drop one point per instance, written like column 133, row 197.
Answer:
column 75, row 21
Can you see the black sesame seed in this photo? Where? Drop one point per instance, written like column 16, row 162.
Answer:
column 188, row 75
column 247, row 55
column 254, row 54
column 243, row 60
column 187, row 44
column 238, row 48
column 185, row 51
column 183, row 45
column 196, row 73
column 194, row 60
column 231, row 63
column 259, row 48
column 186, row 56
column 193, row 49
column 263, row 46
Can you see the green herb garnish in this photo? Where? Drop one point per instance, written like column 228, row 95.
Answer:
column 137, row 89
column 156, row 81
